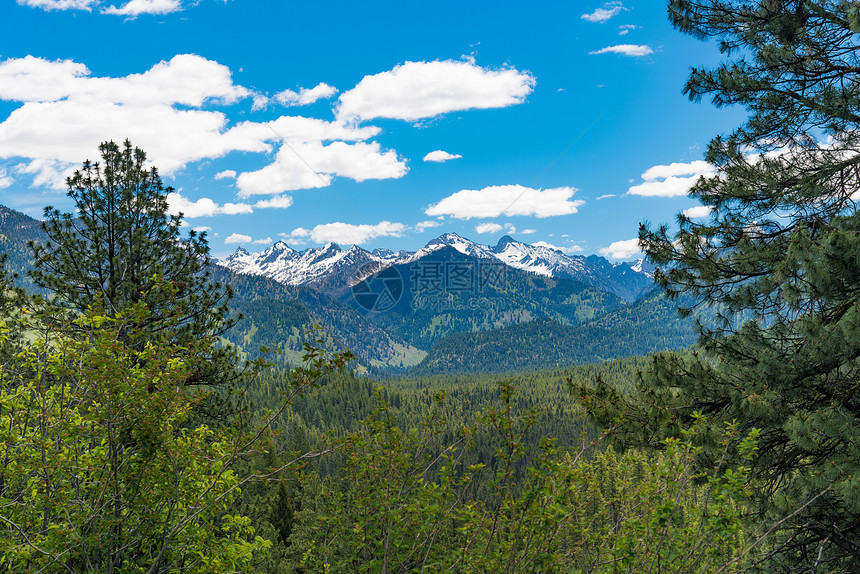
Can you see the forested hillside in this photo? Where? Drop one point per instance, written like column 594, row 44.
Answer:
column 651, row 324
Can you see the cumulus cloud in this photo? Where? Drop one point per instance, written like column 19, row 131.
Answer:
column 671, row 180
column 305, row 96
column 226, row 174
column 135, row 8
column 495, row 228
column 698, row 212
column 185, row 79
column 507, row 200
column 422, row 226
column 234, row 238
column 132, row 8
column 59, row 4
column 5, row 179
column 67, row 112
column 264, row 241
column 528, row 231
column 488, row 228
column 310, row 165
column 636, row 50
column 47, row 172
column 622, row 249
column 417, row 90
column 205, row 207
column 348, row 233
column 277, row 202
column 604, row 14
column 440, row 156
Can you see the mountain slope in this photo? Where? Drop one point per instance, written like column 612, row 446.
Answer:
column 650, row 325
column 16, row 229
column 447, row 291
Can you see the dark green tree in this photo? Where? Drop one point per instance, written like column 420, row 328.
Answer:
column 780, row 258
column 121, row 247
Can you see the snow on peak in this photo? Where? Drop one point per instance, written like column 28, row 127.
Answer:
column 281, row 246
column 282, row 263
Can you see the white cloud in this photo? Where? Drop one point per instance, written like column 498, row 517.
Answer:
column 671, row 180
column 312, row 164
column 440, row 156
column 528, row 231
column 348, row 233
column 601, row 15
column 605, row 196
column 488, row 228
column 507, row 200
column 226, row 174
column 277, row 202
column 622, row 249
column 5, row 179
column 495, row 228
column 698, row 212
column 205, row 207
column 185, row 79
column 66, row 113
column 418, row 90
column 202, row 228
column 47, row 172
column 626, row 29
column 305, row 96
column 636, row 50
column 237, row 238
column 265, row 241
column 60, row 4
column 137, row 7
column 421, row 226
column 297, row 233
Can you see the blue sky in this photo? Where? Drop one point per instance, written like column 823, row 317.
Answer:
column 560, row 122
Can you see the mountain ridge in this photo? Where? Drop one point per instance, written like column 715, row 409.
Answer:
column 315, row 266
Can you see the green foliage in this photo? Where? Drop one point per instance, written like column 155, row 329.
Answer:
column 407, row 502
column 101, row 471
column 782, row 247
column 120, row 243
column 105, row 465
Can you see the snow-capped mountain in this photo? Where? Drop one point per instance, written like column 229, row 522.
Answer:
column 325, row 267
column 333, row 268
column 461, row 244
column 623, row 279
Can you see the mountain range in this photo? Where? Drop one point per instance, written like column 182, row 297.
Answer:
column 331, row 268
column 452, row 306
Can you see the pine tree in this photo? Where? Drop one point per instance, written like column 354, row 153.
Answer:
column 780, row 258
column 121, row 248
